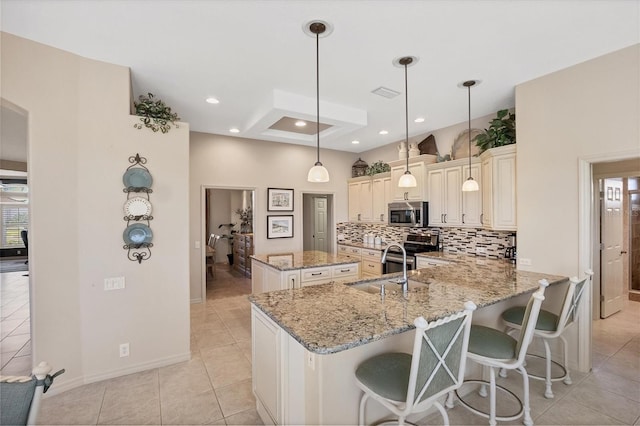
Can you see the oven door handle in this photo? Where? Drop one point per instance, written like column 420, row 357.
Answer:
column 398, row 259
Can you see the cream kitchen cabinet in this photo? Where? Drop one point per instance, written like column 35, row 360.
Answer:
column 361, row 200
column 499, row 188
column 448, row 205
column 270, row 278
column 417, row 193
column 382, row 190
column 371, row 266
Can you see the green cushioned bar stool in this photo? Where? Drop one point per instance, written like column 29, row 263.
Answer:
column 494, row 349
column 551, row 326
column 412, row 383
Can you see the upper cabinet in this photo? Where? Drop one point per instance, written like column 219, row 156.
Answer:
column 448, row 205
column 417, row 167
column 499, row 188
column 360, row 199
column 382, row 195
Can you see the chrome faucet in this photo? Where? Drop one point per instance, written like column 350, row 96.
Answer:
column 403, row 281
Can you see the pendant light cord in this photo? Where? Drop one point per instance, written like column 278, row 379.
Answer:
column 406, row 113
column 318, row 97
column 469, row 97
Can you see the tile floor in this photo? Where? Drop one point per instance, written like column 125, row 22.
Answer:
column 15, row 329
column 214, row 387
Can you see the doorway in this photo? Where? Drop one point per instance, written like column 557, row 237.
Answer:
column 227, row 216
column 317, row 210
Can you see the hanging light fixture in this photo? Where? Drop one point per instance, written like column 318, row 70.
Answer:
column 317, row 173
column 470, row 184
column 407, row 180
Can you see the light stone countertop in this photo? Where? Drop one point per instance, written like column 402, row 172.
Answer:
column 303, row 260
column 330, row 318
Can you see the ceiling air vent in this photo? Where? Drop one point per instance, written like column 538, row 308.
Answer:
column 385, row 92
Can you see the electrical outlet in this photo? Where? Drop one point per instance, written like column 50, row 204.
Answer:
column 124, row 350
column 481, row 250
column 524, row 261
column 114, row 283
column 196, row 244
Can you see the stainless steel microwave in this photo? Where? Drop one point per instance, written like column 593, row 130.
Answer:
column 409, row 213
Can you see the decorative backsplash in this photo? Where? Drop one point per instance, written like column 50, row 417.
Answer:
column 454, row 240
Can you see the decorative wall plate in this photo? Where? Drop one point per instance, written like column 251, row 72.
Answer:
column 460, row 147
column 137, row 177
column 137, row 206
column 138, row 233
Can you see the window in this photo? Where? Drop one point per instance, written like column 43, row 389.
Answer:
column 14, row 212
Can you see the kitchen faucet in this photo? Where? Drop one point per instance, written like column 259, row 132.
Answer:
column 403, row 281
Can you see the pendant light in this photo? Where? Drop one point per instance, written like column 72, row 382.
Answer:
column 407, row 180
column 470, row 184
column 317, row 173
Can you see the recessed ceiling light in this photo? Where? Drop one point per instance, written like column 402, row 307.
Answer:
column 301, row 123
column 355, row 142
column 383, row 132
column 212, row 100
column 419, row 120
column 234, row 130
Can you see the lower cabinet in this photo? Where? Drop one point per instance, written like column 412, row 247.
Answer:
column 423, row 262
column 266, row 278
column 267, row 383
column 370, row 265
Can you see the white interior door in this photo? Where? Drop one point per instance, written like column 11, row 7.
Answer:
column 612, row 287
column 320, row 224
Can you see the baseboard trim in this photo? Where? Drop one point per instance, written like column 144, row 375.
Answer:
column 162, row 362
column 59, row 387
column 634, row 296
column 194, row 301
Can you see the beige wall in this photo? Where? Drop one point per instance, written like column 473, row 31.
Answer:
column 585, row 111
column 80, row 136
column 228, row 162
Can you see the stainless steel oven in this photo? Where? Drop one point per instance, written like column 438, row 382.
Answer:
column 409, row 213
column 394, row 262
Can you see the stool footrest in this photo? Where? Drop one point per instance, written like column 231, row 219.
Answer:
column 553, row 379
column 487, row 415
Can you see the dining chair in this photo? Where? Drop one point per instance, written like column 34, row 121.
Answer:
column 412, row 383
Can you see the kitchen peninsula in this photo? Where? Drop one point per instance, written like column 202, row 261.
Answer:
column 307, row 342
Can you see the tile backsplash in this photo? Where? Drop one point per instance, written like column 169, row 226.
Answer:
column 454, row 240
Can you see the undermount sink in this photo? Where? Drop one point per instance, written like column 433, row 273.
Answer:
column 390, row 286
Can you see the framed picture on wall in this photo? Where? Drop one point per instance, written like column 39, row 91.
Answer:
column 279, row 199
column 280, row 226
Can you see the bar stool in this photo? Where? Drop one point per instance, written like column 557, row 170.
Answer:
column 493, row 349
column 551, row 326
column 411, row 383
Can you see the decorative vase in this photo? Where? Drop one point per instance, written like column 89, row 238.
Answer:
column 414, row 151
column 402, row 151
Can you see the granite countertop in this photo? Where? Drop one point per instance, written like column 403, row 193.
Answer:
column 333, row 317
column 303, row 260
column 360, row 244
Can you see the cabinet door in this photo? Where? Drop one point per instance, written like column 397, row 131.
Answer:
column 290, row 279
column 382, row 196
column 266, row 360
column 472, row 201
column 435, row 179
column 354, row 201
column 504, row 192
column 487, row 193
column 411, row 194
column 366, row 201
column 453, row 196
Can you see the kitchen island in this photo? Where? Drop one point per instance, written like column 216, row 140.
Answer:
column 307, row 342
column 294, row 270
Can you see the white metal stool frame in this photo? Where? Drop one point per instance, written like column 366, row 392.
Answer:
column 413, row 403
column 517, row 363
column 566, row 319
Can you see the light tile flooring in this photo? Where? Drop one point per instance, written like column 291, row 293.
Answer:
column 214, row 387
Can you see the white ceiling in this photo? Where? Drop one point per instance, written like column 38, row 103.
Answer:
column 255, row 58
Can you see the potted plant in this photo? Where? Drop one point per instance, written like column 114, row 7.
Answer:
column 154, row 113
column 501, row 131
column 378, row 167
column 229, row 237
